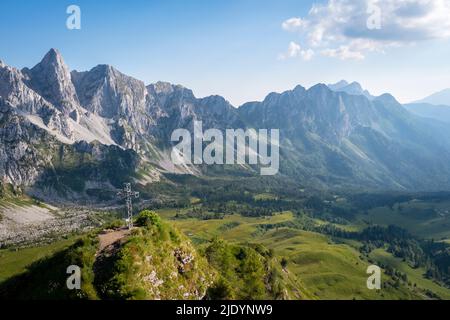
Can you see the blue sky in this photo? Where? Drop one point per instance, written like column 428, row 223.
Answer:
column 241, row 49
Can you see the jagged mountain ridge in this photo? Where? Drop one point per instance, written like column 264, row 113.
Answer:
column 329, row 138
column 353, row 88
column 334, row 138
column 101, row 105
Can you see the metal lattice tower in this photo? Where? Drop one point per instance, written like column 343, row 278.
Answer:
column 128, row 195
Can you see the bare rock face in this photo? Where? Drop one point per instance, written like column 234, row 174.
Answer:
column 41, row 105
column 174, row 106
column 25, row 149
column 15, row 91
column 51, row 79
column 107, row 93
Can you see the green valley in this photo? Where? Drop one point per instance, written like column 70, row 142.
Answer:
column 299, row 250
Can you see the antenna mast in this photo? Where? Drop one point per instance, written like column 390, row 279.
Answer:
column 128, row 195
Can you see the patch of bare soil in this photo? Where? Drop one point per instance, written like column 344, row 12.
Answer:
column 110, row 237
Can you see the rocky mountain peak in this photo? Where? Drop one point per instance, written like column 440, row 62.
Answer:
column 299, row 89
column 106, row 70
column 53, row 56
column 216, row 100
column 52, row 63
column 319, row 89
column 109, row 93
column 353, row 88
column 273, row 97
column 356, row 86
column 219, row 106
column 52, row 80
column 387, row 98
column 338, row 85
column 161, row 88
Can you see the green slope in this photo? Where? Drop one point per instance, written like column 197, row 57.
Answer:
column 152, row 261
column 324, row 268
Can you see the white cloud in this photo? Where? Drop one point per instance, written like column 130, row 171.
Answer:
column 343, row 53
column 349, row 29
column 307, row 54
column 295, row 50
column 293, row 24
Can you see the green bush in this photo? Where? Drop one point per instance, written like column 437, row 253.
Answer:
column 115, row 224
column 148, row 218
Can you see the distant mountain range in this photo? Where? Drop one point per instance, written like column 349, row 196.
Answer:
column 441, row 98
column 437, row 112
column 436, row 106
column 75, row 133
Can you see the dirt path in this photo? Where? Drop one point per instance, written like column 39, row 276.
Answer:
column 108, row 238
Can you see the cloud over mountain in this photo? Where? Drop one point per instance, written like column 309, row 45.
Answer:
column 350, row 29
column 295, row 50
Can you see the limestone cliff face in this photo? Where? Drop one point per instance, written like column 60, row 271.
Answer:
column 51, row 80
column 15, row 91
column 24, row 148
